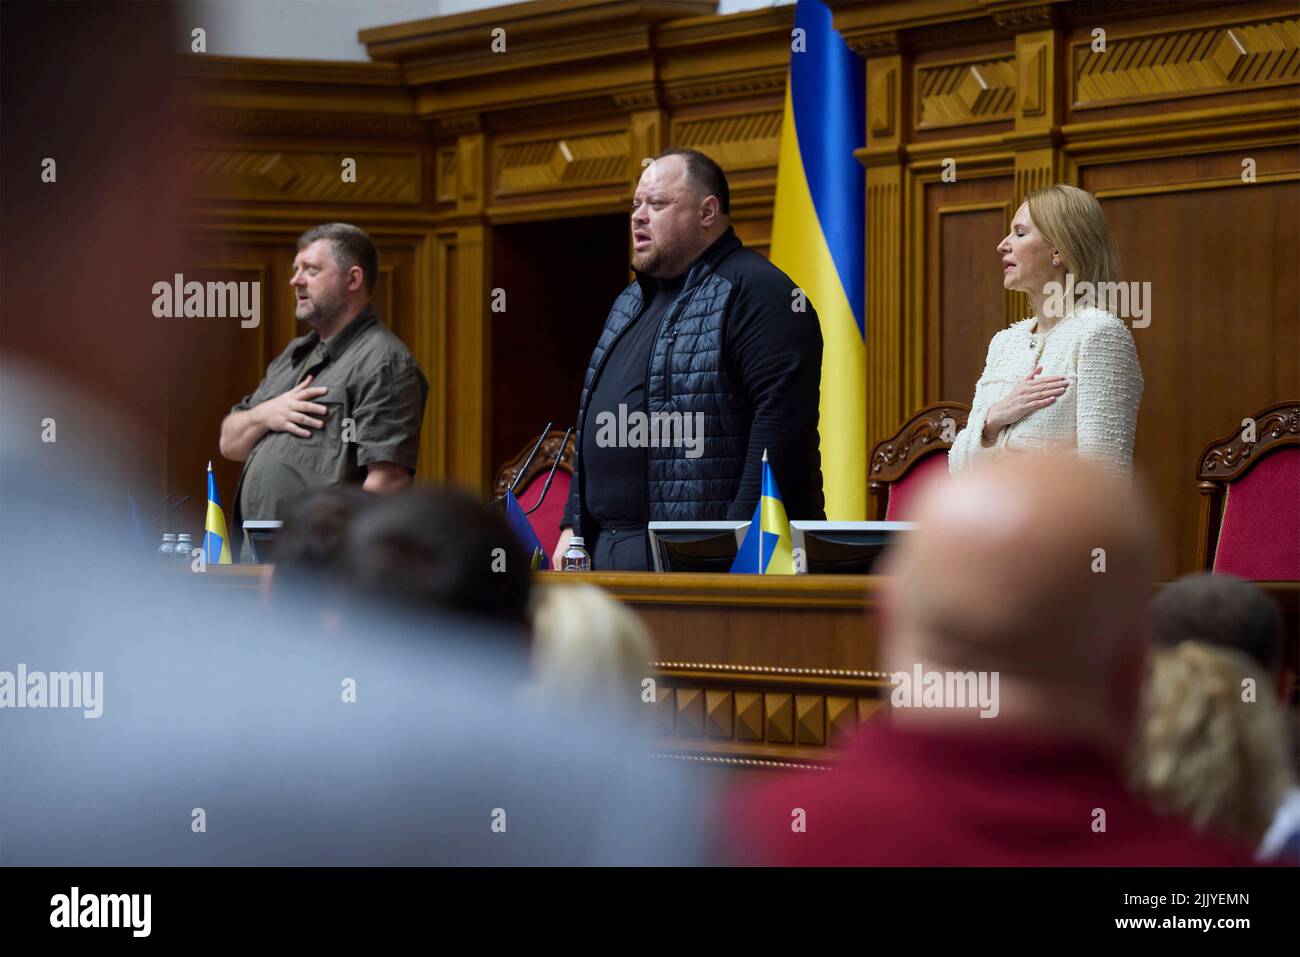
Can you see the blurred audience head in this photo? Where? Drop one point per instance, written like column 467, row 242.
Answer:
column 590, row 653
column 309, row 550
column 1225, row 612
column 1211, row 749
column 1035, row 567
column 438, row 549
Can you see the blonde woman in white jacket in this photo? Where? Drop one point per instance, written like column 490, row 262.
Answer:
column 1069, row 376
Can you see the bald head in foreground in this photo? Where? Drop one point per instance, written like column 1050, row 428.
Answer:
column 1015, row 633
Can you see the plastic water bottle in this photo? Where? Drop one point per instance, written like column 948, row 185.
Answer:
column 575, row 557
column 167, row 550
column 183, row 546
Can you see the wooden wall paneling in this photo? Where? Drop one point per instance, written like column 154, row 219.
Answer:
column 964, row 91
column 1222, row 340
column 887, row 321
column 965, row 296
column 285, row 174
column 1240, row 47
column 461, row 274
column 744, row 136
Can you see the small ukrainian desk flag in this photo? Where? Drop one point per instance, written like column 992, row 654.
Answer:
column 523, row 529
column 216, row 543
column 766, row 548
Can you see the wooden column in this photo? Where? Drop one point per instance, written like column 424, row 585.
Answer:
column 893, row 358
column 1039, row 98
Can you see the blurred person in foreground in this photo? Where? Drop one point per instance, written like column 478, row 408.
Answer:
column 591, row 655
column 310, row 548
column 431, row 550
column 426, row 549
column 224, row 734
column 998, row 579
column 1223, row 611
column 1211, row 747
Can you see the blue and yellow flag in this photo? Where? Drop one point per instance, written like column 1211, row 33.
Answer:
column 817, row 237
column 766, row 549
column 523, row 529
column 216, row 543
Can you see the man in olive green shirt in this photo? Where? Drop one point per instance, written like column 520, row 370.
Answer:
column 341, row 404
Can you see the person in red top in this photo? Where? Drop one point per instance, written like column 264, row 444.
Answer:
column 1014, row 628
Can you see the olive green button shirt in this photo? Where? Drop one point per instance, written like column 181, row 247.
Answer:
column 376, row 404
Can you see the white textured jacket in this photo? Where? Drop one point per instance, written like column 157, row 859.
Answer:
column 1097, row 414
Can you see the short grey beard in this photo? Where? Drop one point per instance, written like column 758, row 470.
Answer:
column 320, row 318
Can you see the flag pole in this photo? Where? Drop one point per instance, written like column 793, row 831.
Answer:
column 762, row 469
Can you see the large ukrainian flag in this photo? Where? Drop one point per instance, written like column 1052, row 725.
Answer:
column 817, row 237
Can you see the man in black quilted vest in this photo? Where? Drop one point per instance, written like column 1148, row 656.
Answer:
column 711, row 356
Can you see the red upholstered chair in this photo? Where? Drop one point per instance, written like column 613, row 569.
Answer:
column 546, row 520
column 1250, row 499
column 911, row 459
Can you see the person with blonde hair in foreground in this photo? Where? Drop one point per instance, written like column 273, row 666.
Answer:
column 1028, row 578
column 1068, row 377
column 1212, row 748
column 591, row 654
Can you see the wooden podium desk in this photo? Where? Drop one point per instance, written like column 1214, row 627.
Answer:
column 758, row 670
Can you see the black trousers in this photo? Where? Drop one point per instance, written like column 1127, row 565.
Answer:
column 620, row 548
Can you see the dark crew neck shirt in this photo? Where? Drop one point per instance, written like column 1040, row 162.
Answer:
column 614, row 475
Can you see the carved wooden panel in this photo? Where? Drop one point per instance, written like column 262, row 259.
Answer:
column 736, row 142
column 285, row 175
column 1229, row 457
column 541, row 165
column 960, row 94
column 921, row 434
column 757, row 715
column 1187, row 63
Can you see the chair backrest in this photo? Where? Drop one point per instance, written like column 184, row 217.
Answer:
column 904, row 494
column 546, row 520
column 1250, row 505
column 909, row 460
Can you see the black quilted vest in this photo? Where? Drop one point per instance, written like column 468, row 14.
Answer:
column 687, row 374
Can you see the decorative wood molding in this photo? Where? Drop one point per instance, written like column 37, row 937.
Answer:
column 751, row 83
column 545, row 164
column 1017, row 17
column 1230, row 457
column 588, row 107
column 737, row 141
column 760, row 763
column 966, row 92
column 305, row 176
column 1172, row 64
column 234, row 121
column 541, row 23
column 919, row 436
column 708, row 588
column 737, row 722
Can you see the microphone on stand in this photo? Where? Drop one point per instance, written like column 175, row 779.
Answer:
column 167, row 511
column 523, row 469
column 554, row 465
